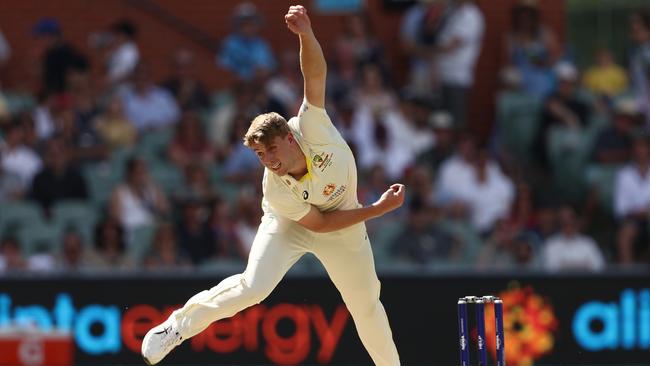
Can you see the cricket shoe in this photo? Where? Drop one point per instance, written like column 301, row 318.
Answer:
column 160, row 340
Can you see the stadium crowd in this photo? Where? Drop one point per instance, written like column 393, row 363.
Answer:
column 132, row 173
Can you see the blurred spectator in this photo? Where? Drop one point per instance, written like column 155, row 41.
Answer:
column 373, row 92
column 357, row 45
column 87, row 141
column 457, row 50
column 507, row 249
column 241, row 164
column 286, row 86
column 5, row 50
column 59, row 179
column 605, row 77
column 563, row 107
column 640, row 59
column 137, row 201
column 114, row 128
column 197, row 185
column 11, row 258
column 423, row 240
column 58, row 58
column 533, row 48
column 74, row 255
column 185, row 86
column 147, row 105
column 612, row 144
column 569, row 249
column 419, row 33
column 190, row 145
column 165, row 253
column 490, row 193
column 454, row 170
column 11, row 187
column 248, row 218
column 195, row 238
column 373, row 184
column 444, row 136
column 632, row 204
column 123, row 55
column 244, row 52
column 222, row 224
column 16, row 157
column 110, row 246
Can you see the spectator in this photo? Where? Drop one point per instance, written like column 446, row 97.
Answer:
column 605, row 77
column 147, row 105
column 110, row 246
column 456, row 169
column 532, row 47
column 419, row 33
column 58, row 58
column 11, row 258
column 185, row 86
column 564, row 107
column 165, row 253
column 507, row 249
column 74, row 254
column 222, row 224
column 613, row 143
column 423, row 240
column 87, row 142
column 444, row 136
column 489, row 193
column 137, row 201
column 114, row 128
column 16, row 157
column 11, row 188
column 244, row 52
column 569, row 249
column 60, row 179
column 5, row 49
column 197, row 185
column 632, row 204
column 457, row 50
column 123, row 55
column 240, row 165
column 248, row 218
column 640, row 59
column 190, row 145
column 195, row 238
column 286, row 86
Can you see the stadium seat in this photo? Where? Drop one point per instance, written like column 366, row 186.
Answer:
column 14, row 215
column 223, row 265
column 79, row 215
column 40, row 237
column 152, row 144
column 517, row 118
column 101, row 180
column 167, row 176
column 602, row 178
column 140, row 242
column 568, row 150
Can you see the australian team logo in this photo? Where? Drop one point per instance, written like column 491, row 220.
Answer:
column 329, row 189
column 322, row 160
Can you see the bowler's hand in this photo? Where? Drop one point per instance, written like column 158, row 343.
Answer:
column 297, row 20
column 391, row 199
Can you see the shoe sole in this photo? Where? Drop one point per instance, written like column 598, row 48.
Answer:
column 147, row 361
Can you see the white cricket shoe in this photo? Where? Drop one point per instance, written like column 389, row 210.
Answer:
column 160, row 340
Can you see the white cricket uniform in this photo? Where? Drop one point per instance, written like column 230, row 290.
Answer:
column 330, row 184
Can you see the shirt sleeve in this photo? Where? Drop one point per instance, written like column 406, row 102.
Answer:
column 284, row 204
column 315, row 125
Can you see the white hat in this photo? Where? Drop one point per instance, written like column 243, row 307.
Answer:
column 565, row 70
column 441, row 119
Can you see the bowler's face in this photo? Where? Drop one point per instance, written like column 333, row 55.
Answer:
column 277, row 155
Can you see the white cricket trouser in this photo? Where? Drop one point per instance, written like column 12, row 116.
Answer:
column 345, row 254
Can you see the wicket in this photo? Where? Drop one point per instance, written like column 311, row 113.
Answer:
column 480, row 302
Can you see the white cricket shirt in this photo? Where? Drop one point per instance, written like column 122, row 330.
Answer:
column 331, row 181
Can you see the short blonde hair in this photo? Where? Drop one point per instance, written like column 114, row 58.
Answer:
column 265, row 128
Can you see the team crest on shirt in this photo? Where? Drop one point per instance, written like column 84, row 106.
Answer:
column 321, row 161
column 329, row 189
